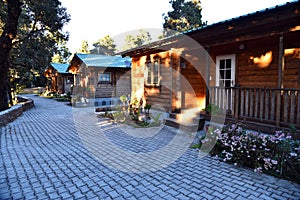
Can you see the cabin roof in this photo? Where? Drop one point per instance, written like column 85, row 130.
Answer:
column 96, row 60
column 275, row 20
column 60, row 67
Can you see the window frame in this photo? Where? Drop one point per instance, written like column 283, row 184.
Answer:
column 101, row 75
column 69, row 80
column 152, row 77
column 232, row 58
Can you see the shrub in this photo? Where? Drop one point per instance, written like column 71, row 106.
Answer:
column 277, row 155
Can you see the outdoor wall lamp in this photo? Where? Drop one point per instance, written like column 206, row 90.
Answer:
column 148, row 59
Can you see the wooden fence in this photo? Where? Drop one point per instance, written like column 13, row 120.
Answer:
column 277, row 107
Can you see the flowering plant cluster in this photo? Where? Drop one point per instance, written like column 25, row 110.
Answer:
column 277, row 154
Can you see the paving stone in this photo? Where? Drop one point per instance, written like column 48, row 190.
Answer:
column 65, row 195
column 218, row 194
column 288, row 196
column 182, row 197
column 252, row 192
column 45, row 158
column 207, row 196
column 230, row 194
column 229, row 188
column 72, row 189
column 53, row 195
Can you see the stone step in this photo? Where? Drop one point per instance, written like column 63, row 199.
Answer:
column 184, row 126
column 176, row 120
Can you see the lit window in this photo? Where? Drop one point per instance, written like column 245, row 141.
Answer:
column 105, row 77
column 153, row 70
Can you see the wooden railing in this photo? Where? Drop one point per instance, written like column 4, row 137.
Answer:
column 278, row 107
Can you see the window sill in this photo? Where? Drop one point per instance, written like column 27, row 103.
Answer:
column 104, row 82
column 152, row 85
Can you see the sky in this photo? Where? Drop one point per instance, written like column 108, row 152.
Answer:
column 93, row 19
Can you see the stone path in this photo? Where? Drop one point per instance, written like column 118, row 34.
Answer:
column 46, row 155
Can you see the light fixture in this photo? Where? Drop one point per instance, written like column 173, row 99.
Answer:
column 148, row 59
column 182, row 63
column 242, row 47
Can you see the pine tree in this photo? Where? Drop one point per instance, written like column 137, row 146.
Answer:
column 186, row 15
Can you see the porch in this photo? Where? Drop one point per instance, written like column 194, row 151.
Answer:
column 261, row 109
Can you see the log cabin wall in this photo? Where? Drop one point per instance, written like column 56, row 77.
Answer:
column 137, row 77
column 193, row 87
column 180, row 86
column 119, row 85
column 159, row 96
column 257, row 63
column 123, row 82
column 291, row 76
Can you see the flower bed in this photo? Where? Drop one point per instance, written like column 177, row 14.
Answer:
column 130, row 112
column 277, row 155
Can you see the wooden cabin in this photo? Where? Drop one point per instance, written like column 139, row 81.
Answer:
column 59, row 80
column 248, row 66
column 104, row 78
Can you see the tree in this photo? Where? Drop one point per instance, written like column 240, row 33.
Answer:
column 33, row 30
column 8, row 35
column 140, row 39
column 62, row 53
column 57, row 59
column 84, row 47
column 104, row 46
column 186, row 15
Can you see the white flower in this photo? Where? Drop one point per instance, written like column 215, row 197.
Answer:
column 293, row 154
column 274, row 162
column 258, row 170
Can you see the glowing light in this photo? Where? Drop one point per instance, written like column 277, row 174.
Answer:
column 296, row 28
column 294, row 52
column 264, row 60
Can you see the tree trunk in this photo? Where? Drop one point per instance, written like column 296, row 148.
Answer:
column 9, row 33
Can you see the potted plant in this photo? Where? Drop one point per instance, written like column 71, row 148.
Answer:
column 147, row 110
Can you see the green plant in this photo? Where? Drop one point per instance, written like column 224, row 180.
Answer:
column 156, row 118
column 123, row 98
column 148, row 106
column 199, row 144
column 19, row 88
column 212, row 109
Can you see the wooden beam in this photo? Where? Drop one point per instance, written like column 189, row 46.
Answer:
column 207, row 78
column 280, row 79
column 280, row 63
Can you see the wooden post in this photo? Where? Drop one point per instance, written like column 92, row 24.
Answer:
column 280, row 80
column 207, row 78
column 171, row 82
column 236, row 102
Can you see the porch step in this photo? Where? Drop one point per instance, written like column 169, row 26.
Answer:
column 178, row 121
column 178, row 124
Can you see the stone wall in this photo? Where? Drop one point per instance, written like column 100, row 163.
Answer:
column 15, row 111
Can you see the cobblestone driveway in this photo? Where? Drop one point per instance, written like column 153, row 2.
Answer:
column 43, row 157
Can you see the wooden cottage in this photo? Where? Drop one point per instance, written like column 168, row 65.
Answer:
column 249, row 67
column 59, row 80
column 104, row 78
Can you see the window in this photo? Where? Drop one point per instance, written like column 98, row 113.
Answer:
column 225, row 67
column 70, row 80
column 105, row 77
column 153, row 71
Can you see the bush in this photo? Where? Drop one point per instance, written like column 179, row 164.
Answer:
column 277, row 155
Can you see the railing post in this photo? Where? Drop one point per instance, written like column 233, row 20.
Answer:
column 236, row 102
column 280, row 80
column 278, row 108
